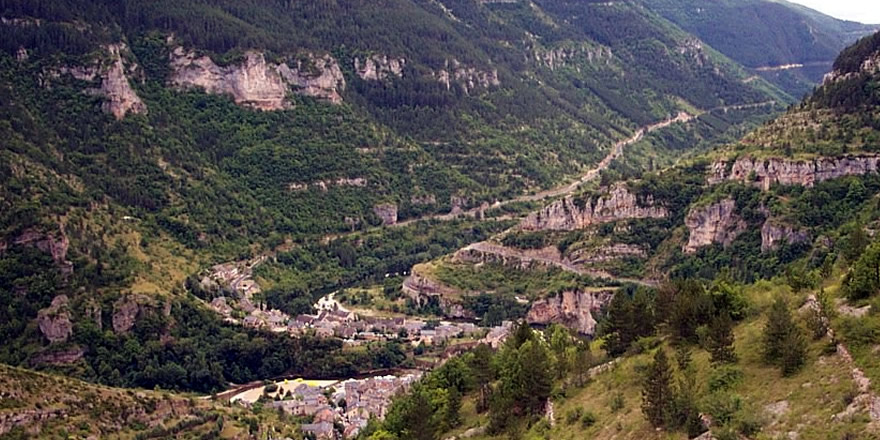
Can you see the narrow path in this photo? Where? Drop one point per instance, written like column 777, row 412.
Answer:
column 790, row 66
column 616, row 151
column 866, row 398
column 592, row 174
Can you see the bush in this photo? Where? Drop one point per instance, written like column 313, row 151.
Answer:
column 573, row 415
column 617, row 402
column 588, row 419
column 724, row 378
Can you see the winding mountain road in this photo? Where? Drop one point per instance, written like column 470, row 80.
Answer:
column 616, row 151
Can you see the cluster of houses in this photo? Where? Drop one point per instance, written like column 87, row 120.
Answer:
column 349, row 404
column 355, row 330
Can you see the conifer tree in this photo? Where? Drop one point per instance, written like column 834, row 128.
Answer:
column 721, row 340
column 657, row 394
column 784, row 342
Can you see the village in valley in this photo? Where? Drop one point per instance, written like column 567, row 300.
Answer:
column 335, row 409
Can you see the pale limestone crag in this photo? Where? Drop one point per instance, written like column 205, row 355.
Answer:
column 379, row 67
column 469, row 78
column 568, row 215
column 387, row 212
column 257, row 83
column 716, row 223
column 120, row 97
column 763, row 173
column 574, row 309
column 54, row 321
column 774, row 233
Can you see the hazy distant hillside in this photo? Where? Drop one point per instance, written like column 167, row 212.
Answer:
column 762, row 34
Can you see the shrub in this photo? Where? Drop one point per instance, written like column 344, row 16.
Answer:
column 573, row 415
column 617, row 402
column 588, row 419
column 724, row 378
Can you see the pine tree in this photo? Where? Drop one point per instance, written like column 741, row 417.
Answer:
column 451, row 412
column 794, row 353
column 619, row 331
column 721, row 340
column 784, row 342
column 481, row 368
column 657, row 393
column 776, row 330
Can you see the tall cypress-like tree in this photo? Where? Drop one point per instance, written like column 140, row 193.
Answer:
column 481, row 368
column 721, row 340
column 658, row 397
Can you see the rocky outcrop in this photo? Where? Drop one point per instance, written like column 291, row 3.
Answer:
column 58, row 357
column 125, row 313
column 603, row 254
column 379, row 67
column 387, row 212
column 523, row 259
column 54, row 243
column 568, row 214
column 324, row 185
column 316, row 76
column 54, row 321
column 774, row 233
column 422, row 288
column 256, row 83
column 563, row 56
column 469, row 78
column 120, row 97
column 870, row 66
column 765, row 172
column 427, row 199
column 573, row 309
column 716, row 223
column 115, row 86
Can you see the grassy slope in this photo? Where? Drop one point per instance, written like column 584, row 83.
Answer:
column 93, row 410
column 814, row 395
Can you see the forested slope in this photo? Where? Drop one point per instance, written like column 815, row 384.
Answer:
column 144, row 141
column 789, row 45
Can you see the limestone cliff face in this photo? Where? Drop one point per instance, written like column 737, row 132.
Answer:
column 614, row 251
column 54, row 243
column 115, row 88
column 379, row 67
column 563, row 56
column 774, row 233
column 125, row 313
column 763, row 173
column 469, row 78
column 870, row 66
column 325, row 185
column 523, row 259
column 387, row 212
column 54, row 321
column 573, row 309
column 421, row 289
column 129, row 308
column 257, row 83
column 716, row 223
column 567, row 215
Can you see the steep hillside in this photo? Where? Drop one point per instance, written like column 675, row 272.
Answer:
column 145, row 141
column 787, row 44
column 35, row 405
column 757, row 316
column 795, row 190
